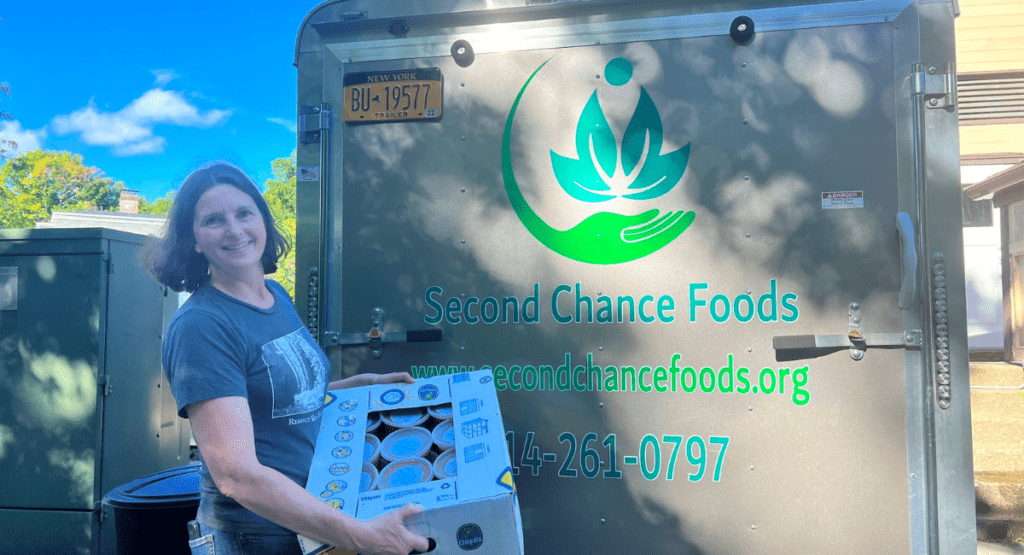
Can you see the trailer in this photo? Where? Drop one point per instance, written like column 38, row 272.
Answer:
column 711, row 253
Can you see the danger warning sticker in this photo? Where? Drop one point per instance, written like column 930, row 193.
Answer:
column 842, row 199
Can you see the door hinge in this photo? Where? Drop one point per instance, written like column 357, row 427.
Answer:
column 935, row 85
column 103, row 382
column 312, row 120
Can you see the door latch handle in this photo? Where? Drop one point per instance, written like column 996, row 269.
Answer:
column 839, row 342
column 908, row 261
column 796, row 347
column 376, row 338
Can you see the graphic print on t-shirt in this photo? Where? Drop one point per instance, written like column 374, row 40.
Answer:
column 296, row 373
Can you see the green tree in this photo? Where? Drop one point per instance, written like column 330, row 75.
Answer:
column 34, row 184
column 160, row 206
column 279, row 192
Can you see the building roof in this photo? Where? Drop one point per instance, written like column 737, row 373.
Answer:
column 145, row 224
column 1005, row 187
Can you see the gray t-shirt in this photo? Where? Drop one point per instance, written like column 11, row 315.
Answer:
column 218, row 346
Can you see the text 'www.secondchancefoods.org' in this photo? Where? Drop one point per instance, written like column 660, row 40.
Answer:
column 674, row 377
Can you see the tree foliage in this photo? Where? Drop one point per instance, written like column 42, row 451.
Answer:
column 34, row 184
column 160, row 206
column 279, row 192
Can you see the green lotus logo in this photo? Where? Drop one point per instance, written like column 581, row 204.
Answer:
column 608, row 237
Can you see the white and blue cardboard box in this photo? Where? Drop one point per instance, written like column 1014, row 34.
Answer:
column 475, row 510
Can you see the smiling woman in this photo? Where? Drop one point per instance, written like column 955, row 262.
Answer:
column 178, row 261
column 230, row 233
column 250, row 378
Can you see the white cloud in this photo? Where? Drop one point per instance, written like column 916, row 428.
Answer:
column 130, row 130
column 153, row 145
column 288, row 124
column 27, row 139
column 163, row 76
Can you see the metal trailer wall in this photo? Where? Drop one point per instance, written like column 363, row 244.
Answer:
column 766, row 354
column 84, row 406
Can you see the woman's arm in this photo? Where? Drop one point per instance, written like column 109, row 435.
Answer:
column 360, row 380
column 223, row 431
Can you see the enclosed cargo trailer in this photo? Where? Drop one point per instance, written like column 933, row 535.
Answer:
column 711, row 252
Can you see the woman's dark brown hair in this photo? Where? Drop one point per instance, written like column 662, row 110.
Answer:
column 173, row 260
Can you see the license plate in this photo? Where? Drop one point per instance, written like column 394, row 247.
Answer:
column 387, row 96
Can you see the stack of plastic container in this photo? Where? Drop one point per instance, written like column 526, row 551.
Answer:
column 408, row 446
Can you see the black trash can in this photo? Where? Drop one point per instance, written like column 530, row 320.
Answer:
column 151, row 513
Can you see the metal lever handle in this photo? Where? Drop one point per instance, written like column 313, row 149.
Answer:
column 422, row 336
column 377, row 336
column 799, row 347
column 908, row 259
column 839, row 342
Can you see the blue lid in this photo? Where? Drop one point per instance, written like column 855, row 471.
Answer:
column 441, row 412
column 445, row 465
column 406, row 472
column 172, row 488
column 407, row 446
column 368, row 478
column 407, row 475
column 400, row 418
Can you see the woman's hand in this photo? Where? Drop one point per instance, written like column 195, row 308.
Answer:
column 390, row 378
column 388, row 534
column 361, row 380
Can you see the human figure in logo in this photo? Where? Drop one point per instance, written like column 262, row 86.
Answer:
column 250, row 378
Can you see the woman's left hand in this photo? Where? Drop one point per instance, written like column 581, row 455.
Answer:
column 390, row 378
column 361, row 380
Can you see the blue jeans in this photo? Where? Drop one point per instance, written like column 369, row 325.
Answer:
column 219, row 542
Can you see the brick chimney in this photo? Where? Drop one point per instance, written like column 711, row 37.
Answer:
column 129, row 202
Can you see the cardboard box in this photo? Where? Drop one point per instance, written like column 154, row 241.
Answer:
column 477, row 508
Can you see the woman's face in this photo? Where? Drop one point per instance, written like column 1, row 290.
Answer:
column 229, row 231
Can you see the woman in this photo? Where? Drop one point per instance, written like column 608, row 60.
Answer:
column 250, row 378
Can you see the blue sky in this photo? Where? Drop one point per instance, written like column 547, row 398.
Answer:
column 147, row 92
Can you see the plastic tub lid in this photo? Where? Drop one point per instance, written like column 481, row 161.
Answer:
column 368, row 478
column 441, row 412
column 406, row 442
column 406, row 472
column 168, row 489
column 403, row 418
column 371, row 449
column 444, row 435
column 372, row 421
column 445, row 465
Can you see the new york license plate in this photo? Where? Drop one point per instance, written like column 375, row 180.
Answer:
column 386, row 96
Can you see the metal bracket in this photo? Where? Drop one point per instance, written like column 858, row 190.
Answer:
column 312, row 120
column 376, row 338
column 857, row 343
column 375, row 324
column 794, row 347
column 937, row 88
column 104, row 382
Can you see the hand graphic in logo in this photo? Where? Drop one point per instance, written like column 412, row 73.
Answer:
column 607, row 237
